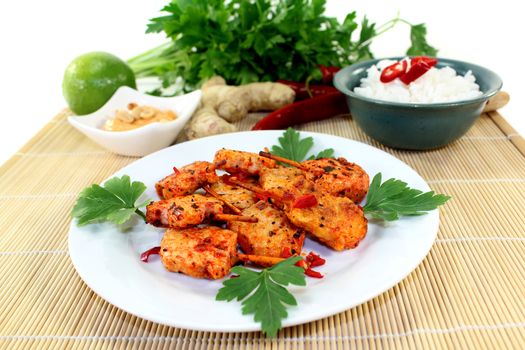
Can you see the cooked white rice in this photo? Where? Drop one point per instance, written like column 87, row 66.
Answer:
column 436, row 85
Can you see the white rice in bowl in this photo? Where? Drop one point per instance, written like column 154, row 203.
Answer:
column 436, row 85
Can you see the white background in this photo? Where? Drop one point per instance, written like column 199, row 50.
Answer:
column 39, row 38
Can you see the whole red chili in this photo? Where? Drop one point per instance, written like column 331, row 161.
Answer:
column 305, row 201
column 304, row 91
column 316, row 108
column 328, row 73
column 145, row 256
column 393, row 71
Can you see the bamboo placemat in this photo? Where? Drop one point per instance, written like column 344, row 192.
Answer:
column 469, row 293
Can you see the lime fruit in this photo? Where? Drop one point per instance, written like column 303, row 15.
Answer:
column 91, row 79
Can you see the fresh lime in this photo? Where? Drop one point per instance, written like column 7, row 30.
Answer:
column 91, row 79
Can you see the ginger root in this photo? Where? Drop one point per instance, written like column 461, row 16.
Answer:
column 221, row 104
column 206, row 122
column 233, row 103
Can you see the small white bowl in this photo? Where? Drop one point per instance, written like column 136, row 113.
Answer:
column 146, row 139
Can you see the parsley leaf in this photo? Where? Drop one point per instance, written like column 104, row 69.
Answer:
column 114, row 202
column 326, row 153
column 394, row 198
column 263, row 293
column 293, row 147
column 420, row 46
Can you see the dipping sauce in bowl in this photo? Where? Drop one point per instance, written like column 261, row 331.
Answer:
column 135, row 116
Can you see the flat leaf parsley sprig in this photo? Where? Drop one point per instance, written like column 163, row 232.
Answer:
column 292, row 146
column 393, row 198
column 263, row 293
column 114, row 201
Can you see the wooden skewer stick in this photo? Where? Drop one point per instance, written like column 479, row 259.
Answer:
column 249, row 187
column 496, row 102
column 282, row 160
column 231, row 217
column 265, row 261
column 219, row 197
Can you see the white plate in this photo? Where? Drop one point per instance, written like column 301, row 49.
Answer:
column 107, row 259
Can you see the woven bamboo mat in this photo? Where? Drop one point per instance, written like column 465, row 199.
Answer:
column 469, row 293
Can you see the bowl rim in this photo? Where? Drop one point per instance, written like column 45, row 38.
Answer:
column 340, row 76
column 131, row 93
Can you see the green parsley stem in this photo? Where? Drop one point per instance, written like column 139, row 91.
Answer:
column 141, row 214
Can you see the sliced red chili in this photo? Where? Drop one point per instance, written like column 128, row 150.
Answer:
column 303, row 264
column 431, row 61
column 307, row 270
column 175, row 170
column 312, row 273
column 393, row 71
column 315, row 260
column 153, row 251
column 262, row 196
column 415, row 71
column 305, row 201
column 286, row 253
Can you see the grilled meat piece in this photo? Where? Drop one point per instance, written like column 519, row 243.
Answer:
column 272, row 234
column 338, row 177
column 241, row 162
column 207, row 252
column 180, row 212
column 186, row 180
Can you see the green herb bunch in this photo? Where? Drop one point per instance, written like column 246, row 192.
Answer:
column 258, row 40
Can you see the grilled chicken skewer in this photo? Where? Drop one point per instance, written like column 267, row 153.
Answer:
column 202, row 252
column 236, row 196
column 273, row 235
column 335, row 176
column 214, row 194
column 235, row 162
column 335, row 221
column 186, row 180
column 181, row 212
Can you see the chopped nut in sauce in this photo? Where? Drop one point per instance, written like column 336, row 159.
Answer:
column 136, row 116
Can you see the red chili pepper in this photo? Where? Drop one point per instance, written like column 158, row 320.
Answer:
column 286, row 252
column 262, row 196
column 305, row 201
column 311, row 273
column 175, row 170
column 307, row 270
column 415, row 71
column 315, row 260
column 145, row 256
column 328, row 73
column 303, row 264
column 393, row 71
column 303, row 92
column 428, row 60
column 316, row 108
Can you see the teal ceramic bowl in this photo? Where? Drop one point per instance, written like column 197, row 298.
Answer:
column 416, row 126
